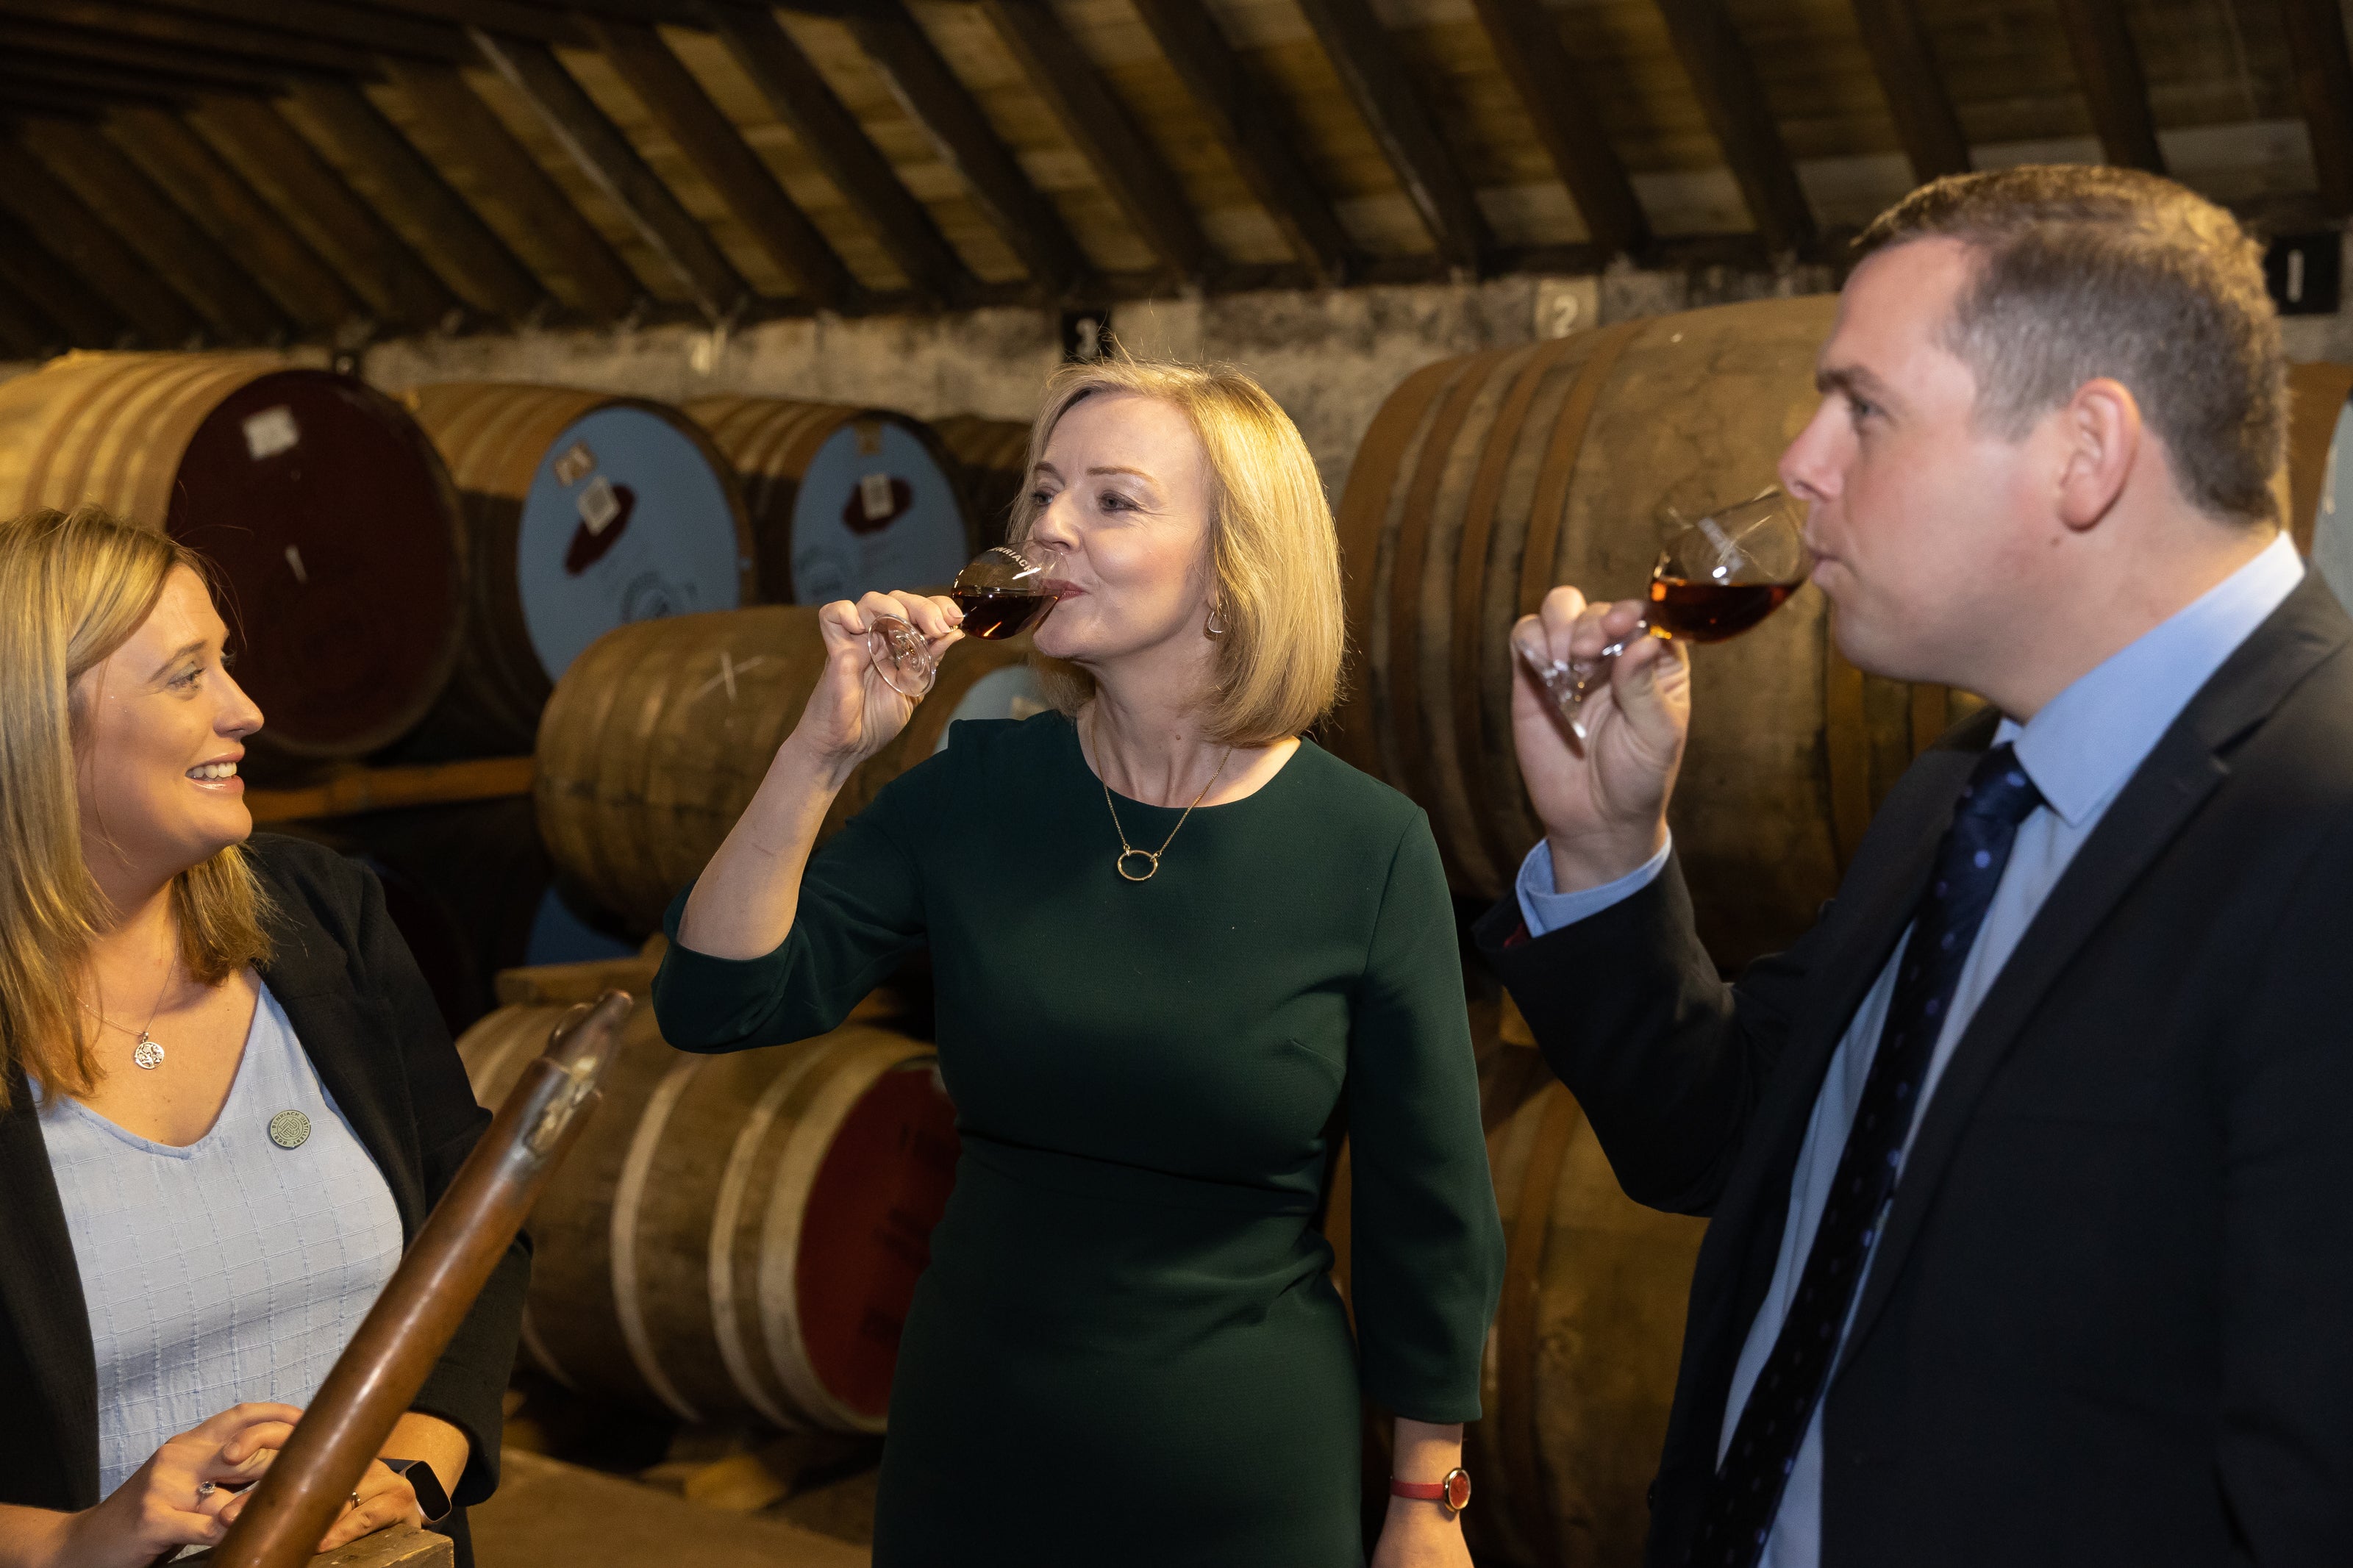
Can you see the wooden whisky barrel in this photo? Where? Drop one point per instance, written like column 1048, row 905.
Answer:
column 992, row 464
column 1487, row 478
column 843, row 500
column 587, row 512
column 659, row 734
column 1581, row 1368
column 735, row 1237
column 328, row 515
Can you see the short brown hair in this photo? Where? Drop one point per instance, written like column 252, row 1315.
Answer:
column 1274, row 551
column 2084, row 272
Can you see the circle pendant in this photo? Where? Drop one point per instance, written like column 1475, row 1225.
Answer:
column 148, row 1053
column 290, row 1129
column 1150, row 864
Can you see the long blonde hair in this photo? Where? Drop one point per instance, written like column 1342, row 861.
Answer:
column 74, row 587
column 1274, row 551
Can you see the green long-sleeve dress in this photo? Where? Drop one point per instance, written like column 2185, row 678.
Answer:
column 1126, row 1348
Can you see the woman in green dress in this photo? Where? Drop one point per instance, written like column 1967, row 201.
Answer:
column 1178, row 950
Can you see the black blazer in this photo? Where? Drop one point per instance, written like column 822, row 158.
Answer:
column 2111, row 1319
column 369, row 1025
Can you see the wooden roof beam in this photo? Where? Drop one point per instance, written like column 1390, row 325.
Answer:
column 1367, row 58
column 2115, row 90
column 715, row 146
column 1906, row 63
column 396, row 285
column 29, row 268
column 2324, row 87
column 329, row 21
column 832, row 136
column 519, row 18
column 605, row 155
column 608, row 288
column 1105, row 135
column 1249, row 120
column 936, row 98
column 236, row 307
column 263, row 45
column 1553, row 89
column 470, row 254
column 219, row 199
column 1732, row 98
column 67, row 230
column 23, row 40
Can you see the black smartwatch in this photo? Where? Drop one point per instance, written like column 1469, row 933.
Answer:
column 431, row 1500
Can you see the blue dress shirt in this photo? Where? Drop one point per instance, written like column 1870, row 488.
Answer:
column 2079, row 751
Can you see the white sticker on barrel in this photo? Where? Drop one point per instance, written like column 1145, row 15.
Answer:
column 1010, row 692
column 2332, row 522
column 270, row 432
column 668, row 547
column 599, row 505
column 573, row 463
column 844, row 544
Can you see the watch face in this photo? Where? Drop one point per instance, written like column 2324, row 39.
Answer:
column 1458, row 1489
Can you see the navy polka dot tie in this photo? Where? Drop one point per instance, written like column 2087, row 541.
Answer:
column 1737, row 1513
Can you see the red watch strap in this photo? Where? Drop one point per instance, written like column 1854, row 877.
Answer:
column 1454, row 1490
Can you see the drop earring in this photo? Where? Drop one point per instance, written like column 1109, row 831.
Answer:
column 1214, row 626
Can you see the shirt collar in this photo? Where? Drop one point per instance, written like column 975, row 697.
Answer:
column 2088, row 739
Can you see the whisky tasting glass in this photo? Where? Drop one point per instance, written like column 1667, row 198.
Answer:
column 1715, row 579
column 1002, row 594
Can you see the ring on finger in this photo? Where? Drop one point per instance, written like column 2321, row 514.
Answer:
column 207, row 1489
column 355, row 1500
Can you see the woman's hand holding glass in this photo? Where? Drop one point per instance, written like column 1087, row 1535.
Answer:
column 856, row 709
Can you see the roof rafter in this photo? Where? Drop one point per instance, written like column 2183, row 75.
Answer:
column 35, row 272
column 2116, row 88
column 66, row 227
column 246, row 226
column 25, row 40
column 2324, row 87
column 1905, row 64
column 1105, row 135
column 372, row 256
column 832, row 136
column 329, row 21
column 1553, row 90
column 605, row 155
column 1366, row 57
column 478, row 261
column 1723, row 76
column 1250, row 121
column 936, row 98
column 608, row 288
column 237, row 308
column 716, row 148
column 37, row 80
column 519, row 18
column 268, row 45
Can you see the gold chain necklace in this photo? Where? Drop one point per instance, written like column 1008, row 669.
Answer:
column 1151, row 857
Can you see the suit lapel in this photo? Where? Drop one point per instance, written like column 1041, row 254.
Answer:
column 40, row 1291
column 2150, row 810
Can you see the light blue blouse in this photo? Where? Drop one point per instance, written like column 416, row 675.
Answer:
column 235, row 1268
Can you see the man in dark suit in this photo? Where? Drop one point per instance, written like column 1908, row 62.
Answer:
column 2030, row 1166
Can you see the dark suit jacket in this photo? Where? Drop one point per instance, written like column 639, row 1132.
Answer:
column 2111, row 1318
column 369, row 1025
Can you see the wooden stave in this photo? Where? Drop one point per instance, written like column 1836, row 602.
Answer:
column 990, row 459
column 634, row 1253
column 631, row 822
column 1430, row 711
column 143, row 411
column 493, row 436
column 772, row 441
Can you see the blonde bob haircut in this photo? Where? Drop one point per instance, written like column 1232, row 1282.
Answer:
column 1274, row 552
column 74, row 587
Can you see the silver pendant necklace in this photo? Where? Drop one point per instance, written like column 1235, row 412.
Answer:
column 147, row 1051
